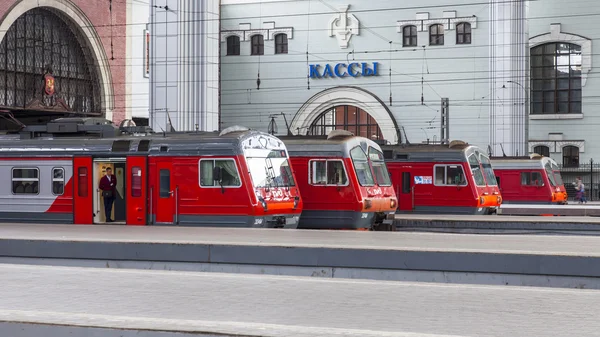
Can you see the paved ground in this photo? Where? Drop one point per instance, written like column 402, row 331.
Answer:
column 289, row 306
column 526, row 244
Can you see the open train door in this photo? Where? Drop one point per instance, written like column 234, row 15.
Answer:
column 83, row 197
column 136, row 192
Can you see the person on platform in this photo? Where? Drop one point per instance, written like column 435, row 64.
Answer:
column 108, row 185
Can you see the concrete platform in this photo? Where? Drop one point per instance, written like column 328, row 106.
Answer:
column 573, row 209
column 553, row 261
column 146, row 303
column 565, row 225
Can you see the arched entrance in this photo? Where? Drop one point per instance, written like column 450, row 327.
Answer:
column 347, row 117
column 350, row 108
column 49, row 64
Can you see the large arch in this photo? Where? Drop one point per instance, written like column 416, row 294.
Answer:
column 77, row 19
column 346, row 95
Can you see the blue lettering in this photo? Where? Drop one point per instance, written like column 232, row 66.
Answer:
column 365, row 70
column 336, row 70
column 350, row 68
column 314, row 71
column 327, row 71
column 375, row 68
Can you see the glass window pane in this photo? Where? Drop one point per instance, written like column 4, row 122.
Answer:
column 549, row 60
column 206, row 173
column 537, row 108
column 536, row 72
column 563, row 108
column 136, row 181
column 58, row 173
column 549, row 84
column 336, row 175
column 549, row 72
column 549, row 107
column 537, row 96
column 576, row 107
column 440, row 175
column 576, row 83
column 536, row 61
column 455, row 175
column 229, row 174
column 563, row 83
column 575, row 95
column 550, row 48
column 165, row 183
column 563, row 95
column 548, row 96
column 82, row 182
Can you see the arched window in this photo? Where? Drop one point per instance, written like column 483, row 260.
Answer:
column 346, row 117
column 556, row 78
column 46, row 66
column 463, row 33
column 233, row 45
column 542, row 150
column 258, row 45
column 436, row 35
column 409, row 36
column 281, row 44
column 570, row 156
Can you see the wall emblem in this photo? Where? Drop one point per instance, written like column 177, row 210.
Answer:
column 49, row 84
column 343, row 26
column 48, row 99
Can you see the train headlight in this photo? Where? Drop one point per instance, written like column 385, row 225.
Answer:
column 296, row 201
column 481, row 200
column 393, row 203
column 263, row 203
column 499, row 199
column 368, row 203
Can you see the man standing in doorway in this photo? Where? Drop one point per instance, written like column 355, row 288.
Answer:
column 107, row 185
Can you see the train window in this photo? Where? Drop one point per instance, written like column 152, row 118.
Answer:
column 531, row 179
column 382, row 177
column 449, row 175
column 58, row 181
column 476, row 170
column 165, row 183
column 361, row 166
column 328, row 172
column 229, row 173
column 405, row 182
column 136, row 181
column 25, row 180
column 82, row 182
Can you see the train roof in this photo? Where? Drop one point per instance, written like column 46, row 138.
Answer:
column 454, row 151
column 532, row 162
column 337, row 143
column 95, row 136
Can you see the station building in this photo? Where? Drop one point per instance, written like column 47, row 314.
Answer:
column 381, row 69
column 64, row 58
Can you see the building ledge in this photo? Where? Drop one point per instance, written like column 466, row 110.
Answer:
column 555, row 116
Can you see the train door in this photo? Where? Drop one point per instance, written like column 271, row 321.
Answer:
column 136, row 191
column 118, row 211
column 82, row 191
column 405, row 192
column 165, row 196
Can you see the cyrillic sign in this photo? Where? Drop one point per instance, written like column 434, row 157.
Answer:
column 342, row 70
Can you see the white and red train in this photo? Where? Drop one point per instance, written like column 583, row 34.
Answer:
column 236, row 178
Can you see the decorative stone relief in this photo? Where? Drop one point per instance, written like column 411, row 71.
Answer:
column 343, row 26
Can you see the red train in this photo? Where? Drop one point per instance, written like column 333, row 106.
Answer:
column 238, row 178
column 455, row 178
column 529, row 180
column 344, row 182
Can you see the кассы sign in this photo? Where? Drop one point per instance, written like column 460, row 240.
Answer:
column 342, row 70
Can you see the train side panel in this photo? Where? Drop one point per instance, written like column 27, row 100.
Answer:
column 528, row 186
column 37, row 190
column 331, row 206
column 422, row 195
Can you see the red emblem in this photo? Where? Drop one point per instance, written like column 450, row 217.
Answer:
column 49, row 84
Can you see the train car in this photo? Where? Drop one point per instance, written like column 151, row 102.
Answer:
column 236, row 178
column 455, row 178
column 344, row 182
column 529, row 180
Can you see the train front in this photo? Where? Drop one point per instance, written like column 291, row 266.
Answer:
column 379, row 202
column 557, row 187
column 275, row 198
column 487, row 192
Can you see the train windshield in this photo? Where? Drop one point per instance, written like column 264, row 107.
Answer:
column 361, row 165
column 379, row 168
column 553, row 174
column 476, row 170
column 269, row 168
column 490, row 177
